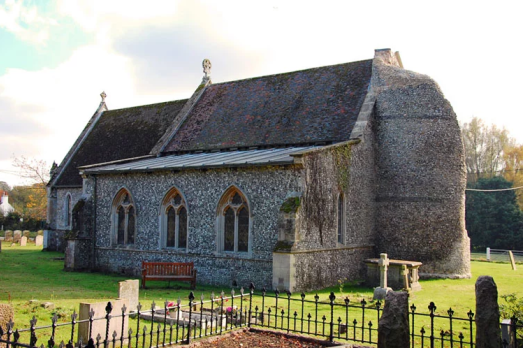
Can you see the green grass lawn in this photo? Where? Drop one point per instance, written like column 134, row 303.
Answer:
column 28, row 274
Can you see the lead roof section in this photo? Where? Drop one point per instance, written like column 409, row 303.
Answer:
column 276, row 156
column 120, row 134
column 309, row 106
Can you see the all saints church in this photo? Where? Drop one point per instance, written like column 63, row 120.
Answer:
column 288, row 181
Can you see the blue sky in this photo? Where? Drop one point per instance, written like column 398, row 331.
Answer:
column 57, row 56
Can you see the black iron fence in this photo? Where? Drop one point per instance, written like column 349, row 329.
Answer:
column 335, row 319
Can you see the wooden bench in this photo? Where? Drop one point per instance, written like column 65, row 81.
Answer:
column 181, row 271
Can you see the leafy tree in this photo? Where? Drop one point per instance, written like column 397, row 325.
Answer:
column 30, row 201
column 493, row 219
column 484, row 149
column 4, row 186
column 513, row 169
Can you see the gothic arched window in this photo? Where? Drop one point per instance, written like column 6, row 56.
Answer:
column 341, row 218
column 233, row 222
column 123, row 218
column 174, row 220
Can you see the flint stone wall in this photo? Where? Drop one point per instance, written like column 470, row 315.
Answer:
column 265, row 189
column 421, row 171
column 322, row 268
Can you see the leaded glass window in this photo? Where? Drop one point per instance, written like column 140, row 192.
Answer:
column 174, row 225
column 124, row 218
column 234, row 223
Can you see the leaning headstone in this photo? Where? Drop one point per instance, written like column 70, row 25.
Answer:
column 16, row 236
column 7, row 315
column 381, row 291
column 23, row 241
column 99, row 326
column 8, row 236
column 393, row 326
column 488, row 332
column 129, row 290
column 39, row 240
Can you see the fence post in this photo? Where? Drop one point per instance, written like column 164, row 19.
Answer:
column 251, row 290
column 332, row 297
column 488, row 333
column 488, row 254
column 108, row 310
column 393, row 326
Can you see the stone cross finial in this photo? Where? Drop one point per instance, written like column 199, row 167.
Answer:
column 206, row 64
column 103, row 95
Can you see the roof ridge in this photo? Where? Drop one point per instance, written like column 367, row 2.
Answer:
column 149, row 105
column 289, row 72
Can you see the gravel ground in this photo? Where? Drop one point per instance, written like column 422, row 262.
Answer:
column 246, row 338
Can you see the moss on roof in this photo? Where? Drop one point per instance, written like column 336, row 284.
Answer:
column 120, row 134
column 315, row 105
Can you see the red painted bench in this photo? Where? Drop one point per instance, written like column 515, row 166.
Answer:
column 180, row 271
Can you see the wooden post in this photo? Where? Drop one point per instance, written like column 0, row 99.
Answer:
column 512, row 260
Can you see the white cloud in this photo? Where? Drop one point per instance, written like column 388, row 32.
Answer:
column 63, row 99
column 25, row 22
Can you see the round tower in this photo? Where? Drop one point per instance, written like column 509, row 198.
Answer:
column 421, row 172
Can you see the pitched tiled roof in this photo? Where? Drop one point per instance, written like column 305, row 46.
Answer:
column 303, row 107
column 120, row 134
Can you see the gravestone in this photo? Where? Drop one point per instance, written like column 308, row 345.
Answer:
column 488, row 332
column 8, row 236
column 381, row 291
column 393, row 326
column 129, row 290
column 23, row 241
column 39, row 240
column 99, row 326
column 16, row 236
column 26, row 233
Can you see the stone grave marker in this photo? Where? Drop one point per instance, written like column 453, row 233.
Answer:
column 8, row 236
column 381, row 291
column 129, row 290
column 99, row 326
column 23, row 241
column 26, row 233
column 39, row 240
column 16, row 236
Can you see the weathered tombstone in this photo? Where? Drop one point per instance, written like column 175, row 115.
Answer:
column 129, row 290
column 393, row 326
column 99, row 326
column 16, row 236
column 381, row 291
column 7, row 314
column 488, row 332
column 23, row 241
column 8, row 236
column 26, row 233
column 39, row 240
column 40, row 233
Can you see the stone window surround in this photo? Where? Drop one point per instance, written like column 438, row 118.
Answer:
column 223, row 204
column 166, row 203
column 119, row 201
column 341, row 214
